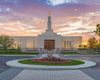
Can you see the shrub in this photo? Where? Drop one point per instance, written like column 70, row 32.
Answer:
column 10, row 52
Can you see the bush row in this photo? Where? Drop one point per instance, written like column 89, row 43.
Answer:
column 10, row 52
column 69, row 52
column 18, row 52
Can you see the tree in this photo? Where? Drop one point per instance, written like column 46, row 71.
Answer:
column 6, row 42
column 85, row 46
column 97, row 31
column 18, row 45
column 80, row 46
column 92, row 42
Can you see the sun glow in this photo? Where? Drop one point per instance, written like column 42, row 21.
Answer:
column 84, row 43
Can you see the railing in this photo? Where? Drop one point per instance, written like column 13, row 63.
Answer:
column 54, row 51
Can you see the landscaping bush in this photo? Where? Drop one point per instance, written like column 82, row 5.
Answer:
column 97, row 50
column 10, row 52
column 16, row 52
column 69, row 52
column 83, row 49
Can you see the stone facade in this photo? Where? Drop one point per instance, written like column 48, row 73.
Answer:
column 36, row 42
column 71, row 42
column 57, row 38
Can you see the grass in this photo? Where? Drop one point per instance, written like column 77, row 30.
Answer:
column 75, row 62
column 33, row 53
column 17, row 53
column 68, row 53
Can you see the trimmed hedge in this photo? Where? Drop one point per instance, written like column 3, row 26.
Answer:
column 98, row 51
column 68, row 52
column 10, row 51
column 83, row 49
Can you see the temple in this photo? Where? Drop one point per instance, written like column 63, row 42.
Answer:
column 48, row 40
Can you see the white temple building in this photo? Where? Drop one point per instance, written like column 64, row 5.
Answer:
column 48, row 40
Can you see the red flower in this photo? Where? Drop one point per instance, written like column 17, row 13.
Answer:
column 55, row 61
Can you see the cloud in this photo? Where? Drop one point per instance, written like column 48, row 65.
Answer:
column 59, row 2
column 69, row 17
column 5, row 10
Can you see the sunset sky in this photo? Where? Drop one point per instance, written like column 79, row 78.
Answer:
column 69, row 17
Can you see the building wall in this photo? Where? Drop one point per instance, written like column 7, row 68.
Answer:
column 71, row 41
column 28, row 42
column 57, row 38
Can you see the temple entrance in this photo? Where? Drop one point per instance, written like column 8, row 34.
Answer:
column 49, row 44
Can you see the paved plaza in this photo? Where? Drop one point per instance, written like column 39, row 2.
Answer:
column 7, row 73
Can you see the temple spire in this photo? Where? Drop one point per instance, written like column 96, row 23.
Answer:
column 49, row 13
column 49, row 22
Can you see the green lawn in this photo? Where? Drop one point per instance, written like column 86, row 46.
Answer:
column 68, row 53
column 75, row 62
column 17, row 53
column 33, row 53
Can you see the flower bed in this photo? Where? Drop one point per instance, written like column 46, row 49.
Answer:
column 49, row 61
column 53, row 63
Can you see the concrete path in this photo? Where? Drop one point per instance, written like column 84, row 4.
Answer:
column 13, row 73
column 20, row 74
column 52, row 75
column 10, row 74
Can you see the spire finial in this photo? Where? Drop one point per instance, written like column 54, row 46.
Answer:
column 49, row 13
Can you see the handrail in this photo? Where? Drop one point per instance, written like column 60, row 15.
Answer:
column 54, row 51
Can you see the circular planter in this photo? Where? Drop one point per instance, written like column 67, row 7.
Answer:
column 16, row 64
